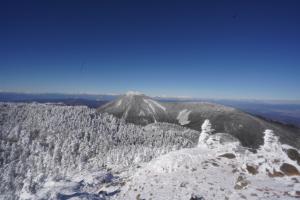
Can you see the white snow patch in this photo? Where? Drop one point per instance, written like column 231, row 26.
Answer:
column 157, row 104
column 126, row 112
column 119, row 103
column 150, row 105
column 142, row 113
column 82, row 185
column 183, row 117
column 133, row 93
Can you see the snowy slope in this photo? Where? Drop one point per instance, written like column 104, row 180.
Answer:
column 45, row 144
column 135, row 107
column 216, row 171
column 65, row 152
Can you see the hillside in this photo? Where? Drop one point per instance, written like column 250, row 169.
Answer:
column 140, row 109
column 46, row 142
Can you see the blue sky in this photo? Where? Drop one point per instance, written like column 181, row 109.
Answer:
column 222, row 49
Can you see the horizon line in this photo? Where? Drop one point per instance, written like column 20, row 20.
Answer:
column 153, row 96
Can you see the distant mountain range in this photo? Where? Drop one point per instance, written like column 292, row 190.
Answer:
column 283, row 111
column 15, row 96
column 142, row 110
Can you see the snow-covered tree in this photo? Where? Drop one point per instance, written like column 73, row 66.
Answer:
column 269, row 157
column 206, row 131
column 271, row 141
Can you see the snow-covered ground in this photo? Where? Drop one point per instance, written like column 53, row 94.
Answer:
column 183, row 117
column 44, row 144
column 216, row 171
column 65, row 152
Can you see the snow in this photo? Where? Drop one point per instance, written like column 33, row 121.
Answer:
column 205, row 133
column 183, row 117
column 81, row 185
column 157, row 104
column 142, row 113
column 203, row 172
column 126, row 112
column 119, row 102
column 150, row 105
column 44, row 148
column 72, row 152
column 133, row 93
column 271, row 141
column 206, row 127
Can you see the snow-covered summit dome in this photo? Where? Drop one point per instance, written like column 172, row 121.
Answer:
column 133, row 93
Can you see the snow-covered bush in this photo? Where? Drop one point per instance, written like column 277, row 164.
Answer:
column 207, row 130
column 271, row 141
column 271, row 157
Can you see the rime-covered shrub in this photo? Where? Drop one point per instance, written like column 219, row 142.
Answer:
column 206, row 131
column 271, row 141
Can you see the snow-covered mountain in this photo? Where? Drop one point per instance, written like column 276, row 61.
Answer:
column 140, row 109
column 136, row 108
column 58, row 152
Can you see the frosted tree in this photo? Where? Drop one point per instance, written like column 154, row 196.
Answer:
column 271, row 141
column 41, row 142
column 206, row 131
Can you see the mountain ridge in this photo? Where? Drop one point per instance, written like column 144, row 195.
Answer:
column 137, row 108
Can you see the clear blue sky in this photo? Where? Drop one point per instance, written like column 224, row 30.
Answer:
column 224, row 49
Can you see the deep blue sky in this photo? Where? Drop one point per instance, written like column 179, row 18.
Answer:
column 224, row 49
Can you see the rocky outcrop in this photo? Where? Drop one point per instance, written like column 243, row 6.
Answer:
column 293, row 154
column 289, row 170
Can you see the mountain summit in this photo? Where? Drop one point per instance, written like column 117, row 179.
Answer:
column 137, row 108
column 134, row 93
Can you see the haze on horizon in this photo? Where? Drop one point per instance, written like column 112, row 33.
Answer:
column 209, row 49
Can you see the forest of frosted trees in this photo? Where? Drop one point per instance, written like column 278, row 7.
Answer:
column 38, row 141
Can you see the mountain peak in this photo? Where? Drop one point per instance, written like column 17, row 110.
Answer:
column 133, row 93
column 135, row 107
